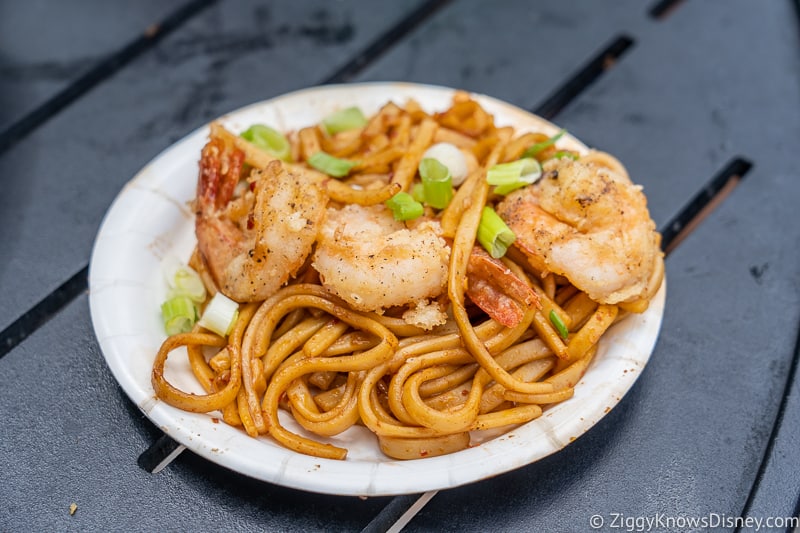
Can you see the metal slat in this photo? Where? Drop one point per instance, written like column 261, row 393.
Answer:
column 521, row 53
column 776, row 491
column 37, row 69
column 70, row 435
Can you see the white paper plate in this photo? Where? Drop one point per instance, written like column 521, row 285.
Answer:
column 150, row 219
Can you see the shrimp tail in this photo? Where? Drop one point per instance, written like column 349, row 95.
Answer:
column 220, row 171
column 496, row 290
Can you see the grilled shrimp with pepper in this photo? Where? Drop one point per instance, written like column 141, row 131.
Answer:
column 585, row 220
column 374, row 262
column 253, row 243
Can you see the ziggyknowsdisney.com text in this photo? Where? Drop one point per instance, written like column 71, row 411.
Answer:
column 662, row 521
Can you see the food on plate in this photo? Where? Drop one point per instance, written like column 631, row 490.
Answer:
column 374, row 262
column 429, row 275
column 254, row 243
column 586, row 221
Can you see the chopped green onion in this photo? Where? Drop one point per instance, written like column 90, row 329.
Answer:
column 493, row 234
column 220, row 314
column 510, row 176
column 450, row 156
column 404, row 207
column 186, row 289
column 268, row 139
column 179, row 315
column 538, row 147
column 558, row 324
column 343, row 120
column 332, row 166
column 437, row 183
column 564, row 153
column 418, row 192
column 182, row 279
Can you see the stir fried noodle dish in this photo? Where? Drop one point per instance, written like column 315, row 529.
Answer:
column 429, row 276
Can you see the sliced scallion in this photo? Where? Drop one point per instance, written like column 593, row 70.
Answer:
column 179, row 314
column 343, row 120
column 268, row 139
column 565, row 153
column 182, row 279
column 404, row 207
column 507, row 177
column 452, row 157
column 332, row 166
column 220, row 314
column 493, row 234
column 418, row 192
column 558, row 324
column 538, row 147
column 437, row 183
column 188, row 283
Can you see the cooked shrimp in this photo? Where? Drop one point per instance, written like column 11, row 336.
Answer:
column 374, row 262
column 496, row 290
column 587, row 221
column 254, row 243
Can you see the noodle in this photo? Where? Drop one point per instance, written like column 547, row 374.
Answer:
column 420, row 388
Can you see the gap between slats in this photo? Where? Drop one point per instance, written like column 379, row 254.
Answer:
column 776, row 427
column 43, row 311
column 664, row 8
column 383, row 43
column 584, row 77
column 39, row 314
column 703, row 203
column 103, row 70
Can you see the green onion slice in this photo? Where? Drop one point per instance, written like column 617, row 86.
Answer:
column 418, row 192
column 538, row 147
column 332, row 166
column 452, row 157
column 563, row 153
column 437, row 183
column 179, row 314
column 493, row 234
column 507, row 177
column 558, row 324
column 346, row 119
column 220, row 314
column 268, row 139
column 404, row 207
column 182, row 279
